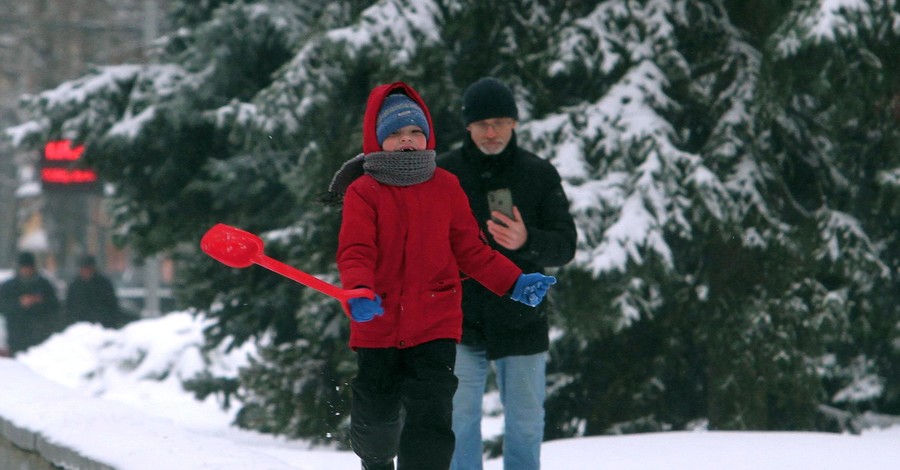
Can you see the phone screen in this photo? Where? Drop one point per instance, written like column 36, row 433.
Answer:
column 500, row 200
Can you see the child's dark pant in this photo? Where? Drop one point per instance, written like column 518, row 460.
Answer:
column 419, row 380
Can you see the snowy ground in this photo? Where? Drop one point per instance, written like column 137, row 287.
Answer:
column 137, row 369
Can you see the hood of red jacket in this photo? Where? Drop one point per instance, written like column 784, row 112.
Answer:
column 376, row 98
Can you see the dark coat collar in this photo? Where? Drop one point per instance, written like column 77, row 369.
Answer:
column 492, row 163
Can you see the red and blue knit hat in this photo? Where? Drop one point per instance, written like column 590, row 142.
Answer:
column 398, row 111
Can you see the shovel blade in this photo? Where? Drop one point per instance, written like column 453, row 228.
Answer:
column 231, row 246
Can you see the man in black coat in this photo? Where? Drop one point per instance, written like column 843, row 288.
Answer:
column 92, row 298
column 540, row 233
column 29, row 303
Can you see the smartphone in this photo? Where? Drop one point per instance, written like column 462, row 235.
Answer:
column 500, row 200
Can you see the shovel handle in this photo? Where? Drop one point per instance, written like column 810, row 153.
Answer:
column 309, row 280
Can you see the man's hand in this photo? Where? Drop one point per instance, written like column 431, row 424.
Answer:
column 514, row 235
column 27, row 300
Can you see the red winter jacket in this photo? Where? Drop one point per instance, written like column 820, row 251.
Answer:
column 408, row 244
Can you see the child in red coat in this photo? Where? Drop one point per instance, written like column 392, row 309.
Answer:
column 406, row 234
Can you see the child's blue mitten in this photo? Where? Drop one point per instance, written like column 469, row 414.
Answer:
column 363, row 309
column 531, row 288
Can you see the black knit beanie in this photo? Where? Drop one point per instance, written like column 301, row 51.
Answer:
column 26, row 259
column 87, row 261
column 488, row 98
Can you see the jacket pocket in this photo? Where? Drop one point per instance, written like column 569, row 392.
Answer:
column 443, row 296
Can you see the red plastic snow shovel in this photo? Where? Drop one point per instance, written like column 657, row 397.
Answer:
column 239, row 249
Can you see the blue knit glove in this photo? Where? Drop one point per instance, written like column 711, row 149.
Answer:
column 531, row 288
column 363, row 309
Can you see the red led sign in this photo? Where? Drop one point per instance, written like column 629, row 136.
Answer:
column 64, row 176
column 62, row 150
column 61, row 167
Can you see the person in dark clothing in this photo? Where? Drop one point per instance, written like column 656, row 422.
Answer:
column 406, row 233
column 91, row 297
column 30, row 305
column 540, row 234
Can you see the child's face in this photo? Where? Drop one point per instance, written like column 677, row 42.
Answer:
column 407, row 138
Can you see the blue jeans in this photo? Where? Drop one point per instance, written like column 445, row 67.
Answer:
column 522, row 381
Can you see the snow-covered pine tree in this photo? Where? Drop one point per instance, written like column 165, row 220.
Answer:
column 658, row 163
column 721, row 294
column 832, row 113
column 163, row 135
column 317, row 103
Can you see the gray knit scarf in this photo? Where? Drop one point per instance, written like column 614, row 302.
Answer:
column 391, row 168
